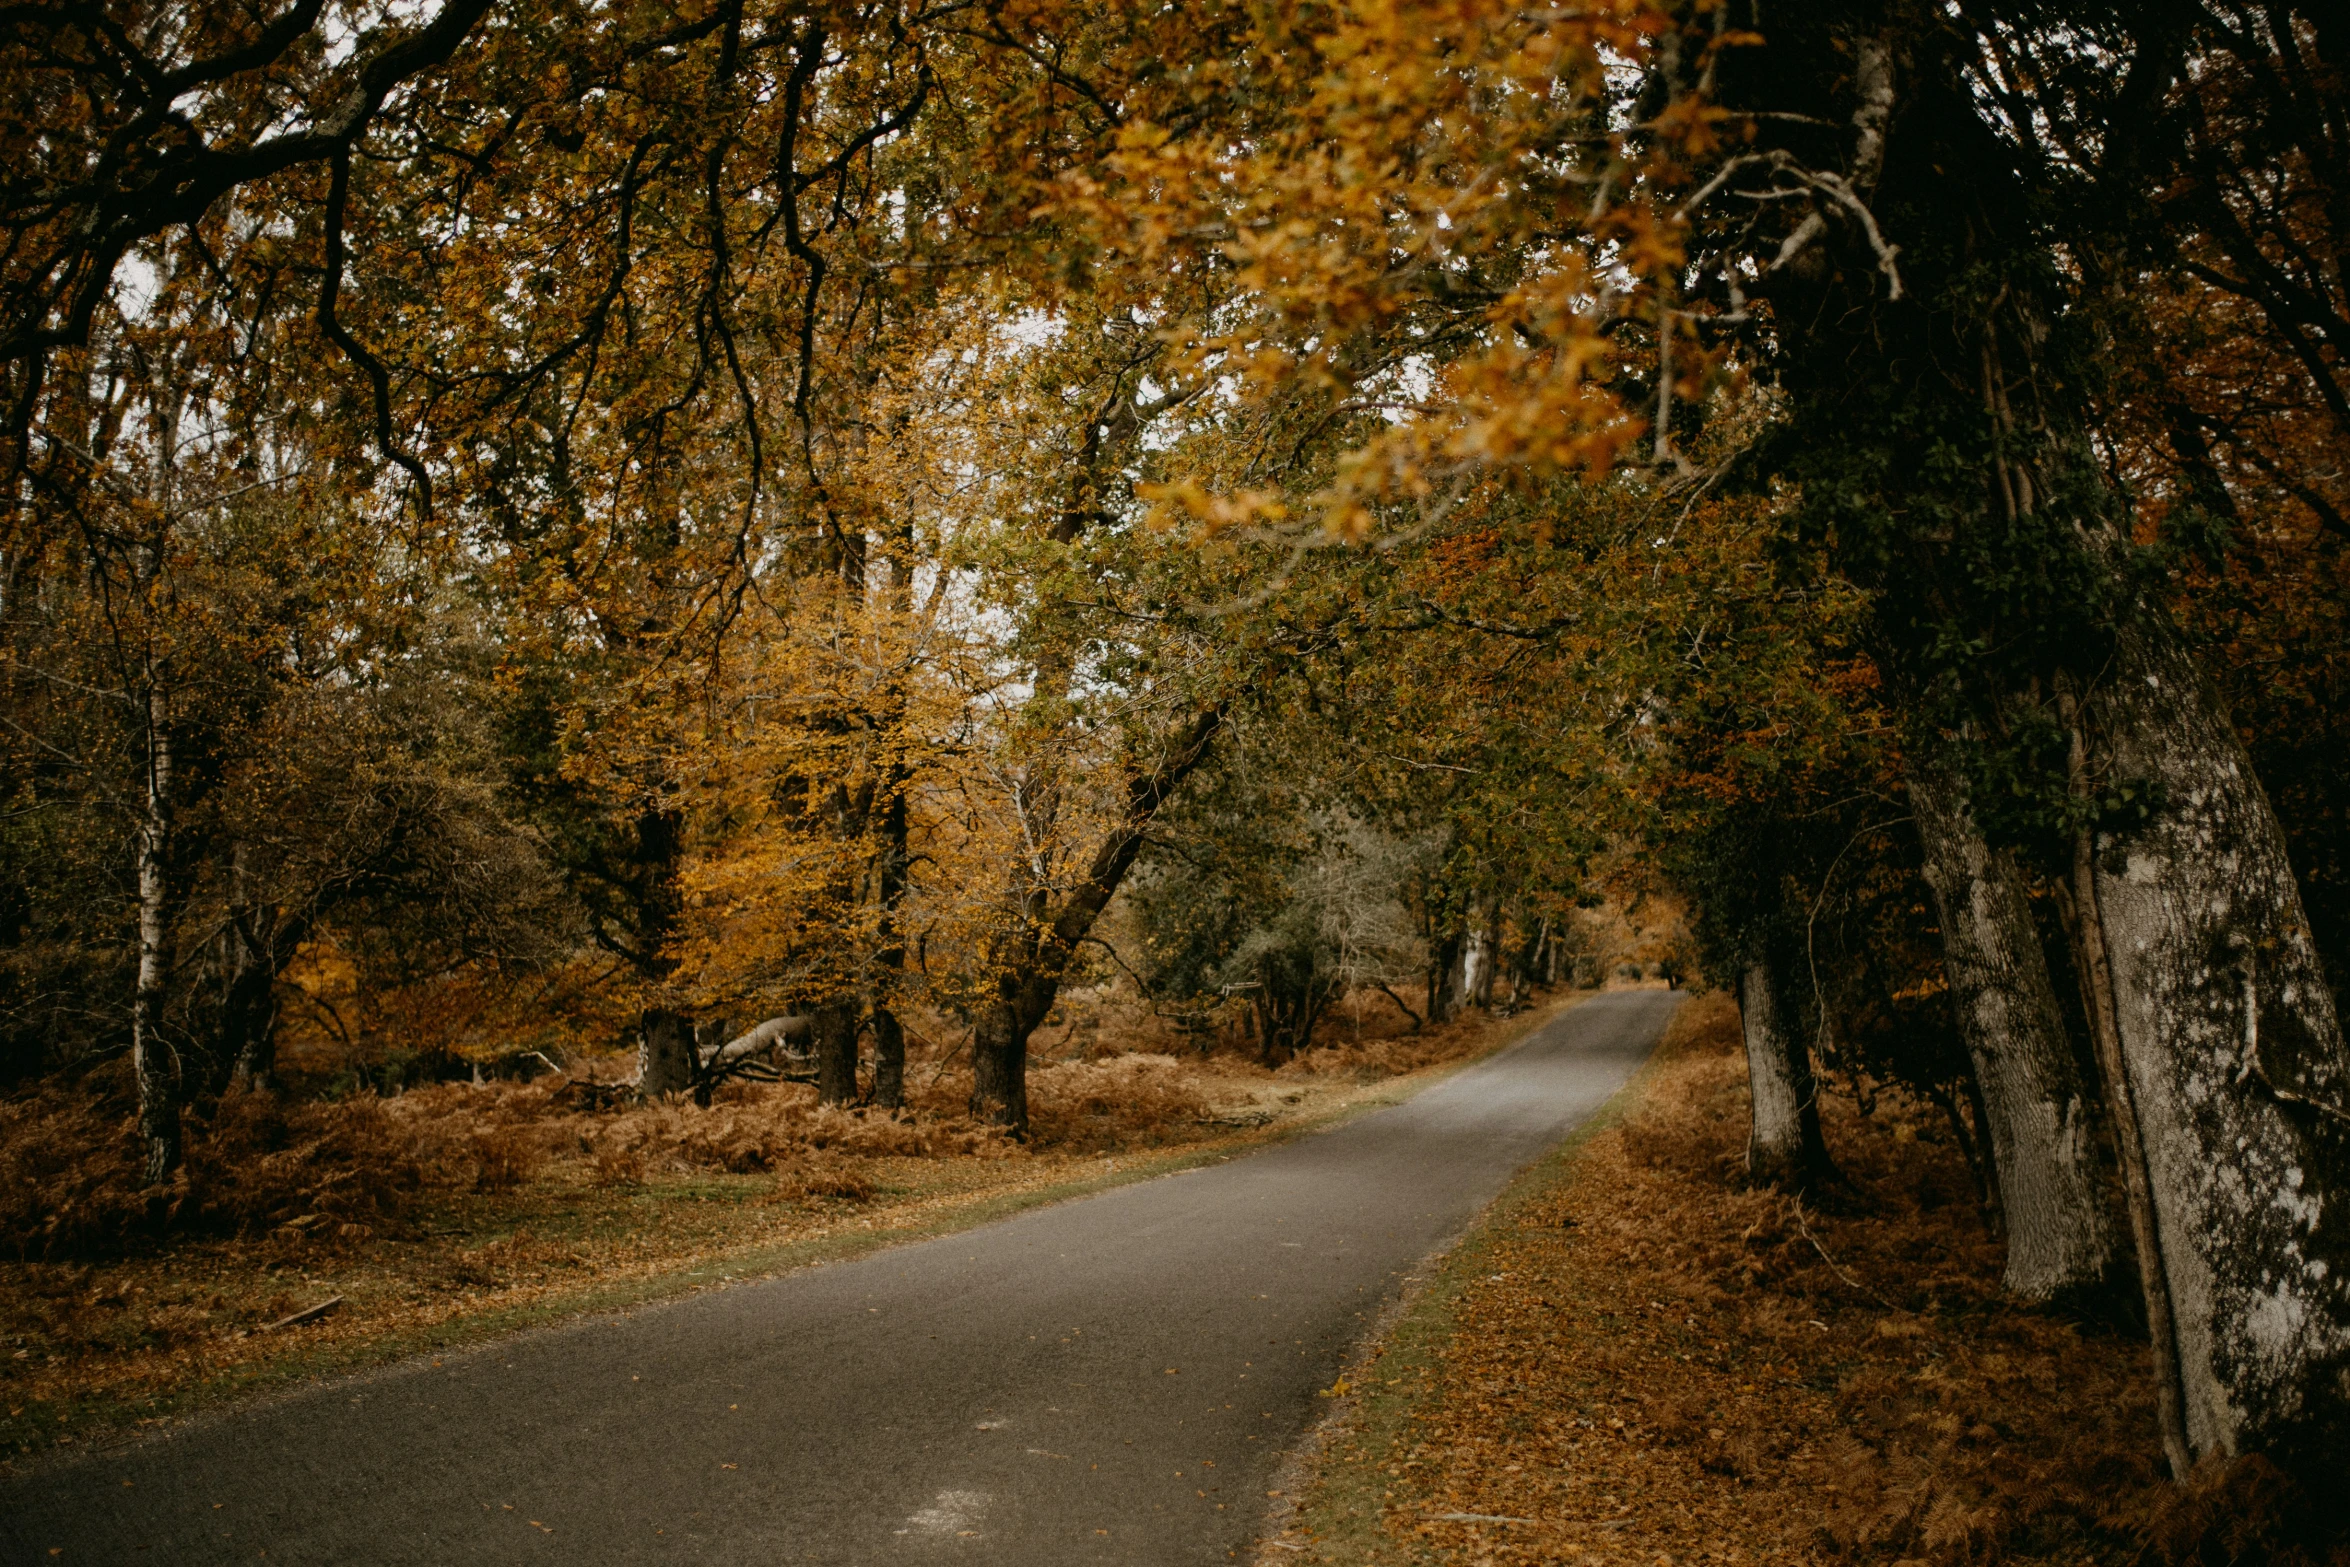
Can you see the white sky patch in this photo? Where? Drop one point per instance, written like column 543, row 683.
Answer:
column 1414, row 381
column 1035, row 328
column 136, row 283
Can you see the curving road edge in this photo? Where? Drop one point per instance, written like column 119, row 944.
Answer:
column 1112, row 1380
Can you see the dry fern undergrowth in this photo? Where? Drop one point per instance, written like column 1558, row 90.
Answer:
column 1640, row 1362
column 70, row 1187
column 450, row 1207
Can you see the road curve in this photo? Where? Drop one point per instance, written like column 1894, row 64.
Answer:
column 1111, row 1380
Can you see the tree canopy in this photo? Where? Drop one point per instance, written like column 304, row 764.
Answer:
column 561, row 526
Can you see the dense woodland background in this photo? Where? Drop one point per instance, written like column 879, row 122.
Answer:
column 664, row 544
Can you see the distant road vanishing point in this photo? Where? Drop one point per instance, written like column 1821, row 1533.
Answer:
column 1112, row 1380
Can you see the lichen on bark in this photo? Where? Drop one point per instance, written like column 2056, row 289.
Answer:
column 2236, row 1063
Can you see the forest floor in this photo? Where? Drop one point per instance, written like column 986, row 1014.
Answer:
column 450, row 1214
column 1633, row 1359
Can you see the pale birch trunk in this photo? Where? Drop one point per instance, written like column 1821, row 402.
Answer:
column 2235, row 1065
column 153, row 1063
column 151, row 1058
column 2061, row 1237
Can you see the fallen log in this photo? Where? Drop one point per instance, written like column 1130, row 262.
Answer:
column 797, row 1028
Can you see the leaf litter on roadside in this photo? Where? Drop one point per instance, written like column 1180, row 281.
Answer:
column 1638, row 1361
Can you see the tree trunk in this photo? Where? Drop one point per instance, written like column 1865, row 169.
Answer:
column 2234, row 1063
column 2062, row 1241
column 248, row 1002
column 265, row 943
column 999, row 1065
column 151, row 1057
column 2079, row 896
column 1784, row 1147
column 1496, row 956
column 1444, row 959
column 836, row 1053
column 249, row 1019
column 889, row 1037
column 1033, row 954
column 665, row 1052
column 1471, row 983
column 1320, row 992
column 666, row 1056
column 710, row 1058
column 889, row 1059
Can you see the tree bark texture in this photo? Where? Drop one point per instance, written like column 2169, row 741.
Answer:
column 836, row 1052
column 247, row 1044
column 248, row 1005
column 266, row 943
column 1288, row 1005
column 1444, row 961
column 664, row 1052
column 889, row 1059
column 1784, row 1147
column 2062, row 1241
column 1474, row 985
column 249, row 1023
column 1496, row 954
column 665, row 1037
column 151, row 1057
column 2096, row 979
column 890, row 878
column 889, row 1036
column 999, row 1062
column 2235, row 1064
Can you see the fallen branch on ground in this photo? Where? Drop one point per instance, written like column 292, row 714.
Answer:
column 325, row 1308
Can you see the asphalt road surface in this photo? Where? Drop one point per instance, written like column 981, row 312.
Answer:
column 1112, row 1380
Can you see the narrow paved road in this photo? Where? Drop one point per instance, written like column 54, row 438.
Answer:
column 1107, row 1381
